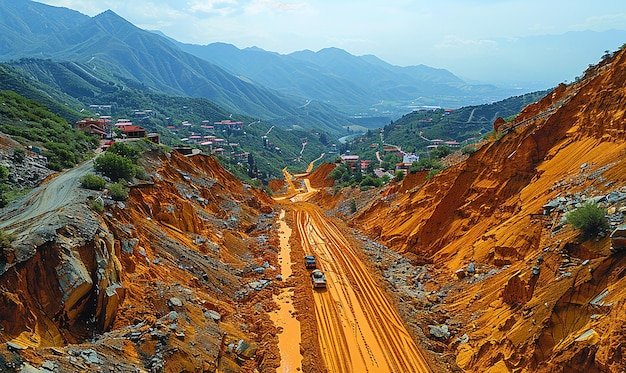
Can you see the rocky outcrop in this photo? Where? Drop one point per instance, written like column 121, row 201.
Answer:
column 517, row 291
column 63, row 284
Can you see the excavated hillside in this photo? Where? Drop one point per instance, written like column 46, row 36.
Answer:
column 496, row 277
column 166, row 281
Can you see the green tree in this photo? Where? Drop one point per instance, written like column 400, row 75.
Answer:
column 369, row 180
column 441, row 151
column 426, row 164
column 468, row 149
column 588, row 218
column 338, row 173
column 115, row 166
column 125, row 150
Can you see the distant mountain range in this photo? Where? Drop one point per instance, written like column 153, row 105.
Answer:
column 325, row 89
column 363, row 85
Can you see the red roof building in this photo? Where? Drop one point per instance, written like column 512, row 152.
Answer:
column 133, row 132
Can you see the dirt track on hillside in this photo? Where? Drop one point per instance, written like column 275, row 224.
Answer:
column 44, row 201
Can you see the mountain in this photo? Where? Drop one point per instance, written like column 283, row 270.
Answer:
column 26, row 25
column 110, row 48
column 363, row 85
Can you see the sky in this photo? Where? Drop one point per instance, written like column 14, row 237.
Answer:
column 458, row 35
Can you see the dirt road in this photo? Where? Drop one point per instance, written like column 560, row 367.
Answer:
column 358, row 328
column 44, row 201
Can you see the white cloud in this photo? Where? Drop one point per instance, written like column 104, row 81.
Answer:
column 217, row 7
column 603, row 22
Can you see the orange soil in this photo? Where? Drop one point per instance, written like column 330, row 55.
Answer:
column 488, row 210
column 358, row 328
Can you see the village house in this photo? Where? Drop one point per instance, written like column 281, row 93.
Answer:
column 237, row 126
column 365, row 163
column 407, row 161
column 132, row 132
column 350, row 160
column 95, row 126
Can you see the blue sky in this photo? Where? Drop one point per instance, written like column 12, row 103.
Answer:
column 450, row 34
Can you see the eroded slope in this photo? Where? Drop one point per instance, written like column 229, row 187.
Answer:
column 168, row 280
column 493, row 263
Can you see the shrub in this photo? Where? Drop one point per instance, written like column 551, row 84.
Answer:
column 19, row 154
column 141, row 174
column 468, row 149
column 589, row 218
column 115, row 166
column 97, row 205
column 55, row 166
column 431, row 174
column 399, row 175
column 92, row 182
column 6, row 239
column 118, row 192
column 353, row 207
column 425, row 164
column 4, row 173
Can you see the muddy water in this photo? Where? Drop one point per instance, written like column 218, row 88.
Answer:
column 283, row 318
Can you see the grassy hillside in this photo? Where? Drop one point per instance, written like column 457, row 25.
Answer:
column 55, row 100
column 413, row 131
column 30, row 123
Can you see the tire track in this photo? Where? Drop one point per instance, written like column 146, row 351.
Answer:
column 358, row 327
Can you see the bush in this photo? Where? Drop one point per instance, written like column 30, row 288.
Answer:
column 141, row 174
column 589, row 218
column 115, row 166
column 92, row 182
column 5, row 239
column 468, row 149
column 399, row 176
column 426, row 164
column 118, row 192
column 4, row 173
column 55, row 166
column 97, row 205
column 19, row 154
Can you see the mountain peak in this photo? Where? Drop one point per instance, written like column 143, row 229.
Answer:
column 109, row 14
